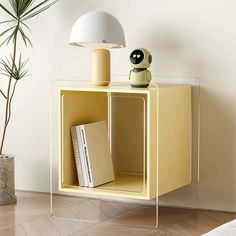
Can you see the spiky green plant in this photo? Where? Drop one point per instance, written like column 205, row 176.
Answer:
column 13, row 67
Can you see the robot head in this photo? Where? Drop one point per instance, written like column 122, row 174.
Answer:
column 140, row 58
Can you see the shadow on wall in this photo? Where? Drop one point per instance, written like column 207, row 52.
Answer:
column 217, row 186
column 173, row 55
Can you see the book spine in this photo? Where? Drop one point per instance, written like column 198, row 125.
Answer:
column 86, row 156
column 82, row 159
column 77, row 156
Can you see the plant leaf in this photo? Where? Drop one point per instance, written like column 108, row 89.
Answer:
column 25, row 26
column 14, row 5
column 11, row 69
column 35, row 7
column 36, row 10
column 24, row 37
column 4, row 32
column 5, row 41
column 25, row 4
column 6, row 21
column 4, row 8
column 12, row 36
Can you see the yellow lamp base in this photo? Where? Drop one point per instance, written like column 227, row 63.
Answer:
column 101, row 67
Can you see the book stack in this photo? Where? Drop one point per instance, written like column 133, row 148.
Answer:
column 92, row 154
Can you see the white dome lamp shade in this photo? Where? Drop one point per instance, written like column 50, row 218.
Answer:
column 101, row 31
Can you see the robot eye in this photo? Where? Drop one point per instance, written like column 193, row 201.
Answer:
column 138, row 56
column 134, row 55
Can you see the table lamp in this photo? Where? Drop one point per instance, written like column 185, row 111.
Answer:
column 101, row 31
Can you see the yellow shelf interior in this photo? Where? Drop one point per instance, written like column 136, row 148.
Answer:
column 124, row 183
column 78, row 107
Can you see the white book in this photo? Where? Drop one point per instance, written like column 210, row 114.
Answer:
column 82, row 159
column 77, row 156
column 97, row 153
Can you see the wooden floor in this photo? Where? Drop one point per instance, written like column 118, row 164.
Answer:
column 31, row 217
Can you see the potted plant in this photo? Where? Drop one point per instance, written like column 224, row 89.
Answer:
column 14, row 68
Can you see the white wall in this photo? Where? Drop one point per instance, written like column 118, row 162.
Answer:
column 186, row 38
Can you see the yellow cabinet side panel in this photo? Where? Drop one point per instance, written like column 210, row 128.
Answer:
column 174, row 135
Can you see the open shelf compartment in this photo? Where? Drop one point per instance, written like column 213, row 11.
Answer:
column 126, row 115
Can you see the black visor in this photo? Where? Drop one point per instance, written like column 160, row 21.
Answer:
column 136, row 56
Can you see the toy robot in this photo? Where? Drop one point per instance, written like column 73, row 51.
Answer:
column 140, row 60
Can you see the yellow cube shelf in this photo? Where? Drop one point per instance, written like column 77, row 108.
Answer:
column 149, row 131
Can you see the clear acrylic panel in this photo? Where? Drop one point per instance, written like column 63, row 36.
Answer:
column 127, row 132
